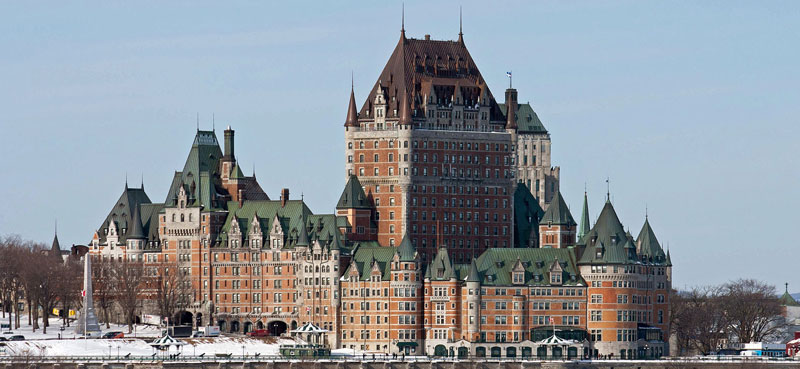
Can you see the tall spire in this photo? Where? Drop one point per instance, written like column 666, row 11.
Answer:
column 403, row 22
column 460, row 27
column 584, row 217
column 352, row 112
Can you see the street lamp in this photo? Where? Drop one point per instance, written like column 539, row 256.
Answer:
column 243, row 352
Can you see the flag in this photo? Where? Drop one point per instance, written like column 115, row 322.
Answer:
column 550, row 320
column 508, row 74
column 83, row 293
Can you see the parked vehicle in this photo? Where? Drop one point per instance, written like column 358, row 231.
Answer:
column 258, row 333
column 3, row 339
column 17, row 337
column 178, row 331
column 113, row 334
column 209, row 331
column 198, row 334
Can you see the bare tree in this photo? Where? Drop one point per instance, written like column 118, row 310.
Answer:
column 69, row 286
column 41, row 276
column 753, row 309
column 700, row 319
column 129, row 281
column 103, row 288
column 171, row 289
column 10, row 281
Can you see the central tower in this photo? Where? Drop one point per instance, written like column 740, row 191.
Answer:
column 434, row 152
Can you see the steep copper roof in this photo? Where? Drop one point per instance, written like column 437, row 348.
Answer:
column 417, row 66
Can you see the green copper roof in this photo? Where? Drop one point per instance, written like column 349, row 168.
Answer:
column 527, row 214
column 302, row 235
column 203, row 158
column 353, row 196
column 293, row 217
column 527, row 119
column 406, row 249
column 366, row 256
column 648, row 244
column 606, row 241
column 496, row 266
column 474, row 275
column 558, row 213
column 585, row 226
column 441, row 267
column 237, row 172
column 786, row 299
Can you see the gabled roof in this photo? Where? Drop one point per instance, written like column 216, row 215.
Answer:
column 365, row 256
column 527, row 214
column 121, row 214
column 496, row 266
column 608, row 236
column 353, row 196
column 648, row 244
column 418, row 66
column 527, row 119
column 292, row 217
column 558, row 213
column 200, row 171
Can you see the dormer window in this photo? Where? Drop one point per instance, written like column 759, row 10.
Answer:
column 518, row 278
column 555, row 278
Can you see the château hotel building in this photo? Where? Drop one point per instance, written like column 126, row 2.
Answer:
column 450, row 237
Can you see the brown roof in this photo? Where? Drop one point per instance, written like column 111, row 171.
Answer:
column 418, row 66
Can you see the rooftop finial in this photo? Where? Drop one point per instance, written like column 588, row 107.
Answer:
column 608, row 190
column 403, row 21
column 56, row 230
column 126, row 180
column 213, row 121
column 198, row 121
column 645, row 211
column 142, row 184
column 787, row 287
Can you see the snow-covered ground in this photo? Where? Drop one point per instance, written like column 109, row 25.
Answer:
column 53, row 331
column 39, row 344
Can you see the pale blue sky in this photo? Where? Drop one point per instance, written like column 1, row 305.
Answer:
column 690, row 108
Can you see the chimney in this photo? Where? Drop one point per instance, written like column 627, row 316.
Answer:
column 284, row 196
column 511, row 108
column 241, row 198
column 229, row 143
column 427, row 37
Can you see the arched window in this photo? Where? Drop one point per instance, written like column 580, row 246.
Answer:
column 181, row 217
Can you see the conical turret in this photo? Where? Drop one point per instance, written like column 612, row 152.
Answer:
column 137, row 230
column 474, row 275
column 302, row 237
column 584, row 227
column 352, row 111
column 406, row 249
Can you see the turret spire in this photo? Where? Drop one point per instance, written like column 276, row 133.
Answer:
column 584, row 217
column 352, row 112
column 403, row 22
column 460, row 26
